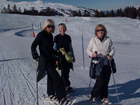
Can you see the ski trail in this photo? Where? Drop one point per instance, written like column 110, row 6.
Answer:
column 17, row 87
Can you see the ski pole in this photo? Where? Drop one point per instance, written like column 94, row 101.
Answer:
column 91, row 75
column 83, row 50
column 36, row 86
column 114, row 82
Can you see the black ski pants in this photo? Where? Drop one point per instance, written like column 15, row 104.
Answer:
column 65, row 70
column 55, row 85
column 101, row 84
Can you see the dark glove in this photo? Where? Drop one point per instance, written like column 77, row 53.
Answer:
column 35, row 56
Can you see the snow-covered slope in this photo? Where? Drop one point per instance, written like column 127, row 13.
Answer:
column 39, row 5
column 18, row 69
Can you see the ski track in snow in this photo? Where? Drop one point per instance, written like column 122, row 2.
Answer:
column 18, row 70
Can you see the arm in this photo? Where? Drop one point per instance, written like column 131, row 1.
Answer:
column 55, row 46
column 71, row 49
column 34, row 46
column 112, row 49
column 89, row 49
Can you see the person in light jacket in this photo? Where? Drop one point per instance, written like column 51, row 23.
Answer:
column 101, row 46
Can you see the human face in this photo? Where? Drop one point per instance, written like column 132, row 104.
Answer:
column 100, row 32
column 62, row 30
column 50, row 28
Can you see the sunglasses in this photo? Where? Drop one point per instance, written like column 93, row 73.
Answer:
column 49, row 26
column 100, row 30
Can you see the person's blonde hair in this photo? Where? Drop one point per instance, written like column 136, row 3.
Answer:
column 62, row 24
column 100, row 26
column 48, row 22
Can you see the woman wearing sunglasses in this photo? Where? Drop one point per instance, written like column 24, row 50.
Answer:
column 63, row 43
column 47, row 62
column 101, row 47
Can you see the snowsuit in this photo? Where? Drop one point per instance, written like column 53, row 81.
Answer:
column 103, row 48
column 63, row 42
column 55, row 85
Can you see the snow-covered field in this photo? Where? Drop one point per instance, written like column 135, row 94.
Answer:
column 18, row 69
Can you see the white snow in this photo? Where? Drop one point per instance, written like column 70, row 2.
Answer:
column 18, row 69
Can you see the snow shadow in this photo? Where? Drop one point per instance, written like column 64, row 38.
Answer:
column 24, row 33
column 82, row 94
column 9, row 29
column 128, row 90
column 12, row 59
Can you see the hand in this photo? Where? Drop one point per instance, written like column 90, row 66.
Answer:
column 56, row 63
column 35, row 56
column 109, row 57
column 94, row 55
column 37, row 59
column 73, row 59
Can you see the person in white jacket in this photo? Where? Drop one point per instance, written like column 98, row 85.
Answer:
column 100, row 46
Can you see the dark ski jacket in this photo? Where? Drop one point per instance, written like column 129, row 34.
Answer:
column 45, row 42
column 96, row 69
column 63, row 42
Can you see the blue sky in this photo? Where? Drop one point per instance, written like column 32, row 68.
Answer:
column 96, row 4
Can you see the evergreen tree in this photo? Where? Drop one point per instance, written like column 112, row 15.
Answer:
column 19, row 10
column 9, row 9
column 138, row 12
column 126, row 12
column 96, row 13
column 107, row 14
column 4, row 10
column 112, row 14
column 133, row 13
column 79, row 13
column 101, row 14
column 118, row 12
column 48, row 12
column 121, row 13
column 15, row 9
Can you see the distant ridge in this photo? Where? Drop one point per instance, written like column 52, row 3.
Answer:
column 39, row 5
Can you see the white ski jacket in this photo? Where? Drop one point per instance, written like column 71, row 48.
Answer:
column 103, row 47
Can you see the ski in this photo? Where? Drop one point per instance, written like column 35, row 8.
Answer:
column 55, row 101
column 73, row 101
column 108, row 103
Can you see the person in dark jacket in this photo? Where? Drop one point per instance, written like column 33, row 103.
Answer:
column 47, row 62
column 63, row 43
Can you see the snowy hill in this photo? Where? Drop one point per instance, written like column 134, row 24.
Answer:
column 39, row 5
column 18, row 69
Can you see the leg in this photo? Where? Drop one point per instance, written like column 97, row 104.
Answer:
column 65, row 75
column 97, row 87
column 50, row 85
column 58, row 84
column 106, row 75
column 65, row 70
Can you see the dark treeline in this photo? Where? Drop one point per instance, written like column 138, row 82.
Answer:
column 130, row 12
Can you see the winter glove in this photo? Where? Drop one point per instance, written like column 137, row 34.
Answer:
column 35, row 56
